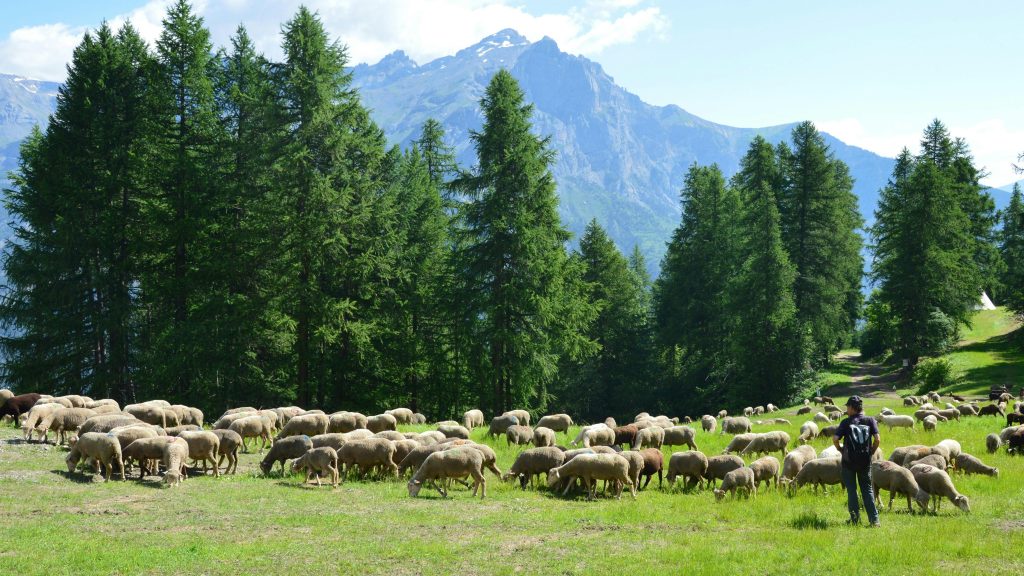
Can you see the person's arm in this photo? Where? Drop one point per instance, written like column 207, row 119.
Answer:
column 875, row 442
column 835, row 442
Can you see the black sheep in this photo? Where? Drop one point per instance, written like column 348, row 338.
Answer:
column 18, row 405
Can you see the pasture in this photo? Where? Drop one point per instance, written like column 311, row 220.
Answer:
column 55, row 523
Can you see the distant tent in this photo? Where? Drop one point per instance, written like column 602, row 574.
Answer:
column 985, row 303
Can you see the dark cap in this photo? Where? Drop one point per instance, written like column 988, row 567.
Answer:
column 855, row 401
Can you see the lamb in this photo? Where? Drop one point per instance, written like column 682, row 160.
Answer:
column 285, row 449
column 102, row 448
column 653, row 464
column 522, row 415
column 308, row 425
column 63, row 422
column 736, row 425
column 719, row 466
column 680, row 436
column 474, row 418
column 626, row 435
column 898, row 421
column 174, row 458
column 501, row 423
column 591, row 467
column 808, row 432
column 741, row 479
column 708, row 423
column 402, row 415
column 929, row 423
column 795, row 460
column 895, row 479
column 456, row 463
column 253, row 426
column 229, row 444
column 381, row 422
column 691, row 465
column 822, row 417
column 556, row 422
column 543, row 436
column 774, row 441
column 368, row 454
column 453, row 431
column 739, row 443
column 822, row 472
column 518, row 435
column 971, row 465
column 992, row 443
column 653, row 437
column 317, row 460
column 341, row 422
column 533, row 462
column 203, row 446
column 934, row 484
column 766, row 470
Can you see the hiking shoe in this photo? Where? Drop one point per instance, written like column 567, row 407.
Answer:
column 853, row 522
column 875, row 524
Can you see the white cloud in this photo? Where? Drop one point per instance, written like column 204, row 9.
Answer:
column 993, row 143
column 425, row 29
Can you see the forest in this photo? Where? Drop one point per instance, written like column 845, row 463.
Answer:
column 211, row 227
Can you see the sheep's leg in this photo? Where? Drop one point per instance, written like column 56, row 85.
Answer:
column 659, row 479
column 647, row 481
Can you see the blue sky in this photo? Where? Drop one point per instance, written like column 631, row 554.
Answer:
column 873, row 73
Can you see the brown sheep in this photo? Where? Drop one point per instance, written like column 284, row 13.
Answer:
column 653, row 464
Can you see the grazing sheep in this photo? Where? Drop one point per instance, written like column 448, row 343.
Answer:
column 402, row 415
column 649, row 437
column 36, row 415
column 332, row 439
column 127, row 434
column 949, row 414
column 936, row 460
column 971, row 465
column 887, row 412
column 795, row 460
column 992, row 443
column 253, row 426
column 543, row 436
column 748, row 411
column 930, row 423
column 107, row 422
column 808, row 432
column 758, row 410
column 610, row 422
column 691, row 465
column 803, row 410
column 595, row 435
column 822, row 418
column 148, row 413
column 341, row 422
column 418, row 418
column 832, row 410
column 741, row 479
column 736, row 425
column 591, row 467
column 522, row 415
column 174, row 458
column 949, row 448
column 771, row 408
column 626, row 435
column 203, row 446
column 144, row 451
column 367, row 455
column 415, row 458
column 556, row 422
column 176, row 430
column 1014, row 417
column 224, row 422
column 230, row 441
column 991, row 410
column 830, row 452
column 430, row 437
column 534, row 462
column 102, row 448
column 708, row 423
column 285, row 449
column 636, row 465
column 63, row 422
column 456, row 463
column 654, row 461
column 766, row 470
column 453, row 431
column 308, row 425
column 719, row 466
column 774, row 441
column 381, row 422
column 392, row 435
column 934, row 484
column 722, row 414
column 473, row 419
column 501, row 423
column 680, row 436
column 898, row 421
column 518, row 435
column 317, row 460
column 739, row 443
column 895, row 479
column 822, row 472
column 240, row 410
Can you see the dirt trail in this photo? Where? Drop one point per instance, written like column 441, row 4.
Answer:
column 869, row 379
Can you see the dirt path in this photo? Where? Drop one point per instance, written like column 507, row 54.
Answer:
column 869, row 379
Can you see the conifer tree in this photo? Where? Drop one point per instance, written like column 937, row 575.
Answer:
column 1011, row 249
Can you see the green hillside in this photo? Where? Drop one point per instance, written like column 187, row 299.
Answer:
column 991, row 353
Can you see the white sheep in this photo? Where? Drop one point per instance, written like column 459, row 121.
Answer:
column 950, row 449
column 100, row 447
column 766, row 470
column 971, row 465
column 653, row 437
column 774, row 441
column 822, row 418
column 741, row 479
column 556, row 422
column 680, row 436
column 929, row 422
column 691, row 465
column 808, row 432
column 736, row 425
column 822, row 472
column 739, row 443
column 897, row 421
column 473, row 419
column 934, row 484
column 174, row 459
column 708, row 423
column 895, row 479
column 794, row 461
column 591, row 467
column 455, row 463
column 317, row 460
column 992, row 443
column 203, row 446
column 543, row 436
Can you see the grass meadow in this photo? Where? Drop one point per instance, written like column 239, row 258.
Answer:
column 249, row 524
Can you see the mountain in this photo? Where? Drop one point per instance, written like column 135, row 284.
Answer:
column 619, row 159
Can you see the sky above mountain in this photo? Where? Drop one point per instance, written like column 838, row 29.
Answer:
column 871, row 73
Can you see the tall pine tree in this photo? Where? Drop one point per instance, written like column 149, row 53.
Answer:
column 1011, row 249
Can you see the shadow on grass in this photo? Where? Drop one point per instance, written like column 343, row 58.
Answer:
column 809, row 521
column 1007, row 370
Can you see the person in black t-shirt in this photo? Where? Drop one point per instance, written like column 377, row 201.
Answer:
column 860, row 439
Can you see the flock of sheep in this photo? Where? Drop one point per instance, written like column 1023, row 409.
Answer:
column 155, row 437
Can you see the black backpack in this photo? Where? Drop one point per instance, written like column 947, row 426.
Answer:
column 858, row 446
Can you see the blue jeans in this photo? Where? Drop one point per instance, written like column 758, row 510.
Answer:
column 850, row 480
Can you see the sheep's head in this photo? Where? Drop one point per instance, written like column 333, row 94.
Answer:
column 995, row 472
column 265, row 466
column 719, row 494
column 72, row 461
column 553, row 477
column 922, row 499
column 414, row 488
column 962, row 503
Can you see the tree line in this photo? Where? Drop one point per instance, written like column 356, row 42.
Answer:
column 219, row 229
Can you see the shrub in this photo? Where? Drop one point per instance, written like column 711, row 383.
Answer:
column 934, row 374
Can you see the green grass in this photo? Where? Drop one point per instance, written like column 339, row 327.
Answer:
column 242, row 524
column 840, row 372
column 991, row 353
